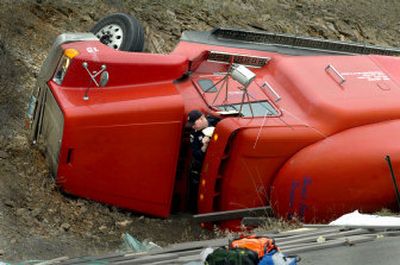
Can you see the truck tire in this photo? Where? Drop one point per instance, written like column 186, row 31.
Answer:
column 121, row 32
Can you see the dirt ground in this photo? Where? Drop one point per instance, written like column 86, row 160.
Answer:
column 36, row 220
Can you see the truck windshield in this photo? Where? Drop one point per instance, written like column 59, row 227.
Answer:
column 260, row 108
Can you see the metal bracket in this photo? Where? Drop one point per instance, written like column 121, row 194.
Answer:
column 277, row 97
column 329, row 68
column 233, row 214
column 95, row 73
column 92, row 77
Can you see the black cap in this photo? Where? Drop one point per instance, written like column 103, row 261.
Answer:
column 193, row 116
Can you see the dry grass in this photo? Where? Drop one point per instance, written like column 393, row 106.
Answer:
column 386, row 212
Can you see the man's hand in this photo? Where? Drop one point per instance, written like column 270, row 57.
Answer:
column 205, row 142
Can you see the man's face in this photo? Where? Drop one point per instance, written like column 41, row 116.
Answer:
column 200, row 123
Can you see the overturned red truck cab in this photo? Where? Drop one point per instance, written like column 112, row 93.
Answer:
column 305, row 123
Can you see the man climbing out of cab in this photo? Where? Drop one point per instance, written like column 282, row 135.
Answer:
column 202, row 128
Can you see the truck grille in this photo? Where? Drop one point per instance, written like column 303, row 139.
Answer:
column 51, row 126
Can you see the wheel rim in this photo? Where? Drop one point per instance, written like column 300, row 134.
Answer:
column 111, row 35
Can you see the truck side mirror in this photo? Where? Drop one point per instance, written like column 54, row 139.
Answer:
column 104, row 77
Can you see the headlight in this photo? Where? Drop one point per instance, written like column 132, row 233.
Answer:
column 63, row 65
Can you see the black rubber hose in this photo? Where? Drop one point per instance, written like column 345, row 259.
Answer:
column 394, row 180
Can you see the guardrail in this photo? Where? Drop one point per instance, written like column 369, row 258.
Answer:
column 291, row 242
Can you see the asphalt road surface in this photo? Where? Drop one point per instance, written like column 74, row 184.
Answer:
column 385, row 251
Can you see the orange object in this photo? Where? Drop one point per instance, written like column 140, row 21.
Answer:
column 260, row 245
